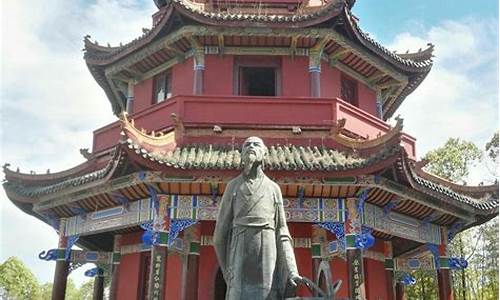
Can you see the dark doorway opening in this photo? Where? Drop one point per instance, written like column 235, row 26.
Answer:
column 220, row 286
column 258, row 81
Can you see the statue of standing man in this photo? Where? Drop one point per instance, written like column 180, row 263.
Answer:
column 251, row 239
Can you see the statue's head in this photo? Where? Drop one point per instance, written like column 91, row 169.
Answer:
column 253, row 150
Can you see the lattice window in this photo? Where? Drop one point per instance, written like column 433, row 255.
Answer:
column 349, row 90
column 162, row 87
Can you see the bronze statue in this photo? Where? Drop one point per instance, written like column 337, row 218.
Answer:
column 251, row 239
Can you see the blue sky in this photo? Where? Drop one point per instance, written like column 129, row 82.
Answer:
column 50, row 103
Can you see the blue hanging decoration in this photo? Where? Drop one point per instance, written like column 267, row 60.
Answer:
column 433, row 248
column 365, row 239
column 407, row 279
column 176, row 226
column 94, row 272
column 337, row 228
column 458, row 263
column 361, row 200
column 154, row 198
column 149, row 237
column 71, row 241
column 49, row 255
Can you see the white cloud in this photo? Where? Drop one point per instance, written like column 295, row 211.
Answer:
column 50, row 104
column 459, row 98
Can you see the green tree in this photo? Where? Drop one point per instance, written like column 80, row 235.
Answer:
column 492, row 147
column 46, row 291
column 453, row 160
column 18, row 281
column 86, row 290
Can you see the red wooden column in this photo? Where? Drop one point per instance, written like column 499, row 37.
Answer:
column 198, row 68
column 115, row 271
column 444, row 280
column 191, row 278
column 356, row 277
column 315, row 73
column 400, row 291
column 159, row 252
column 318, row 238
column 61, row 271
column 389, row 269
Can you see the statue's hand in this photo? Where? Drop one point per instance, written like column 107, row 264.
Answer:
column 295, row 279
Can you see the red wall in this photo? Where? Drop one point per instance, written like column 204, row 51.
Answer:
column 143, row 95
column 367, row 99
column 295, row 76
column 330, row 81
column 128, row 283
column 339, row 271
column 218, row 75
column 218, row 80
column 375, row 279
column 173, row 280
column 182, row 78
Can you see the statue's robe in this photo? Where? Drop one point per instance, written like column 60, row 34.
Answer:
column 252, row 242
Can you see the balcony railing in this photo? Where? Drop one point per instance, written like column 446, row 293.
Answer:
column 250, row 111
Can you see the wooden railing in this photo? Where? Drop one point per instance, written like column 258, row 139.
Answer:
column 250, row 111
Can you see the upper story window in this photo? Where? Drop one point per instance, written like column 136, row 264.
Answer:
column 257, row 76
column 162, row 87
column 258, row 81
column 349, row 90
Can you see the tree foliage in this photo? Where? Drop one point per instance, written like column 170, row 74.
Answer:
column 453, row 160
column 86, row 290
column 492, row 147
column 17, row 281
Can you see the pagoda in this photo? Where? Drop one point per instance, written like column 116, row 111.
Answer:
column 318, row 90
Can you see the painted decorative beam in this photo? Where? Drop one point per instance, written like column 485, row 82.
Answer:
column 135, row 74
column 257, row 51
column 388, row 84
column 404, row 192
column 165, row 66
column 337, row 56
column 76, row 194
column 115, row 92
column 181, row 56
column 376, row 77
column 285, row 32
column 388, row 104
column 346, row 69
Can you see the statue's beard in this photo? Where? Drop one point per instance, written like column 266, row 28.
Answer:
column 249, row 161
